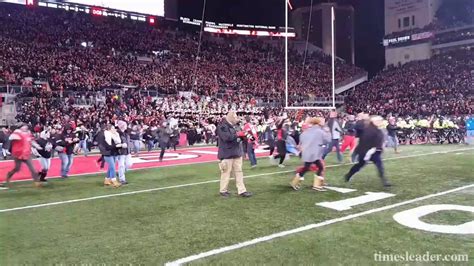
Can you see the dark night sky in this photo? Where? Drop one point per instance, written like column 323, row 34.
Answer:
column 369, row 21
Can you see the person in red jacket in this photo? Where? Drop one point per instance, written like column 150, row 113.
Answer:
column 21, row 142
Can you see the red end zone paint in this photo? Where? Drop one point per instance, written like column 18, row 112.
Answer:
column 87, row 165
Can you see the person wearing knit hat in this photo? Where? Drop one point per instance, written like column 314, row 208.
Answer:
column 313, row 143
column 230, row 155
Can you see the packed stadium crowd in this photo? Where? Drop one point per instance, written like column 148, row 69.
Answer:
column 441, row 85
column 50, row 44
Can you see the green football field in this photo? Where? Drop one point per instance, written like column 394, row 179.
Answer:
column 175, row 215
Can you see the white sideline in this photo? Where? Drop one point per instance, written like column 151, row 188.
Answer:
column 215, row 160
column 191, row 184
column 306, row 227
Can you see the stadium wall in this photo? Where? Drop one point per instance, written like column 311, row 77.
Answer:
column 403, row 15
column 401, row 55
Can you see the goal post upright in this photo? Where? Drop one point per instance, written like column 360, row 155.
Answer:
column 333, row 67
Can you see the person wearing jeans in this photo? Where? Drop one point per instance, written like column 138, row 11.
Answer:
column 68, row 140
column 335, row 130
column 149, row 139
column 135, row 138
column 252, row 137
column 109, row 151
column 123, row 152
column 66, row 163
column 83, row 134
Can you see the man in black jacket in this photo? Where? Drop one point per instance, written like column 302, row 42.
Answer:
column 164, row 133
column 230, row 155
column 370, row 149
column 68, row 140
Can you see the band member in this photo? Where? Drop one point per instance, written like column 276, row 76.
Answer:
column 313, row 143
column 21, row 141
column 230, row 155
column 370, row 149
column 335, row 129
column 45, row 152
column 251, row 130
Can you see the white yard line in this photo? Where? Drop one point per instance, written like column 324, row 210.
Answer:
column 185, row 185
column 306, row 227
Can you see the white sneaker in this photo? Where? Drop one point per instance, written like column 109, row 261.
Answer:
column 281, row 166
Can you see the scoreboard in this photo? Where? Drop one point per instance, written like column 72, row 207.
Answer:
column 140, row 10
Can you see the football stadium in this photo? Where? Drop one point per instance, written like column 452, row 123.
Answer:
column 236, row 132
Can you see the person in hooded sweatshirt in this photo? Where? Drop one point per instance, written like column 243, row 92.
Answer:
column 45, row 152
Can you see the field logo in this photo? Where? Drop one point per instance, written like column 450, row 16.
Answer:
column 411, row 218
column 155, row 157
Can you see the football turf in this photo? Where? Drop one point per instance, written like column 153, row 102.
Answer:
column 184, row 215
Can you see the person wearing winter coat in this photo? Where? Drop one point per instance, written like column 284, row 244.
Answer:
column 45, row 152
column 21, row 141
column 109, row 150
column 313, row 143
column 123, row 152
